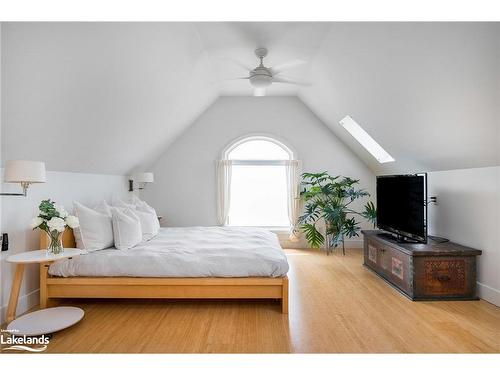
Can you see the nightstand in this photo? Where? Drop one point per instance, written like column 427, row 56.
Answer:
column 43, row 321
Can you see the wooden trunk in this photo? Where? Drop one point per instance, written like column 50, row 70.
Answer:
column 433, row 271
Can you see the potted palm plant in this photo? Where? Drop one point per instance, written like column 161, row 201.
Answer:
column 328, row 200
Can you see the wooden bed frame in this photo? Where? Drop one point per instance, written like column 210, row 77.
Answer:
column 157, row 287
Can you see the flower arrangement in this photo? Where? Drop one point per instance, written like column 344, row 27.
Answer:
column 53, row 219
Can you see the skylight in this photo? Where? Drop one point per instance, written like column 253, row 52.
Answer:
column 365, row 140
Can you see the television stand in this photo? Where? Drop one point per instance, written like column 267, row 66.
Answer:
column 432, row 271
column 396, row 237
column 438, row 239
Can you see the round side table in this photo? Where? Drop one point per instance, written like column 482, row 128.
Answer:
column 43, row 321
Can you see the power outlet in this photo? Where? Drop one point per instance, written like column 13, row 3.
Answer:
column 5, row 242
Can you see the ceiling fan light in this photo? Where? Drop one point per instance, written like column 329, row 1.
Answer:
column 260, row 80
column 259, row 91
column 261, row 77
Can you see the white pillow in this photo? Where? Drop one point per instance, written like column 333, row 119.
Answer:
column 126, row 228
column 103, row 208
column 136, row 202
column 95, row 231
column 149, row 224
column 134, row 199
column 143, row 206
column 122, row 204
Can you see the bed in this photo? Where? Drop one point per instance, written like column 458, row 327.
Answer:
column 196, row 262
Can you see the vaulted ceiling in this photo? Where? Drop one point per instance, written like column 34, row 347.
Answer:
column 429, row 93
column 111, row 97
column 100, row 97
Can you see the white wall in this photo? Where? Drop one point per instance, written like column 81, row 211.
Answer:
column 62, row 187
column 468, row 213
column 184, row 191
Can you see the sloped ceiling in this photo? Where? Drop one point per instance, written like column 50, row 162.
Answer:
column 100, row 97
column 111, row 97
column 429, row 93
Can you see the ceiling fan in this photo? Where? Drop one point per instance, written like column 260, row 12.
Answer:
column 262, row 77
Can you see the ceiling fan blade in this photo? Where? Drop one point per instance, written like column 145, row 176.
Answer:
column 247, row 67
column 236, row 78
column 259, row 91
column 290, row 81
column 287, row 65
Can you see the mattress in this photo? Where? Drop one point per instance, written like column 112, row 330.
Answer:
column 186, row 252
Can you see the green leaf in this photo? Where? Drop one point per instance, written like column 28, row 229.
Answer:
column 47, row 209
column 350, row 228
column 333, row 213
column 370, row 213
column 313, row 236
column 311, row 212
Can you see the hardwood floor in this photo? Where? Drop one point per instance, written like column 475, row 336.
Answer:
column 336, row 305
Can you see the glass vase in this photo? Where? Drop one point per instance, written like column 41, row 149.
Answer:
column 55, row 245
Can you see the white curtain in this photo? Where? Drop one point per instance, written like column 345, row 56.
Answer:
column 293, row 172
column 223, row 170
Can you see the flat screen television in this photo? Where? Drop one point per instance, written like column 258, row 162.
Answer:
column 401, row 206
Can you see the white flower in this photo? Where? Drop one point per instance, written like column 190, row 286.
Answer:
column 72, row 221
column 60, row 209
column 56, row 224
column 35, row 222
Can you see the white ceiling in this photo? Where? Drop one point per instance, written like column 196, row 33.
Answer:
column 429, row 93
column 238, row 40
column 111, row 97
column 100, row 97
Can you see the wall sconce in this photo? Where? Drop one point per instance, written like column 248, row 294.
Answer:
column 141, row 179
column 25, row 173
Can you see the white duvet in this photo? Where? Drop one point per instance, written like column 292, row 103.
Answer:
column 186, row 252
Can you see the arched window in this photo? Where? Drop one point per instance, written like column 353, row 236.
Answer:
column 257, row 190
column 258, row 148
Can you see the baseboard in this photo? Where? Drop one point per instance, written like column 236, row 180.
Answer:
column 302, row 243
column 24, row 303
column 489, row 294
column 354, row 244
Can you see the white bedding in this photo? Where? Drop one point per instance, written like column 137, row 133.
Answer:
column 186, row 252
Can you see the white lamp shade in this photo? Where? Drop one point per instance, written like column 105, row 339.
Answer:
column 144, row 177
column 24, row 171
